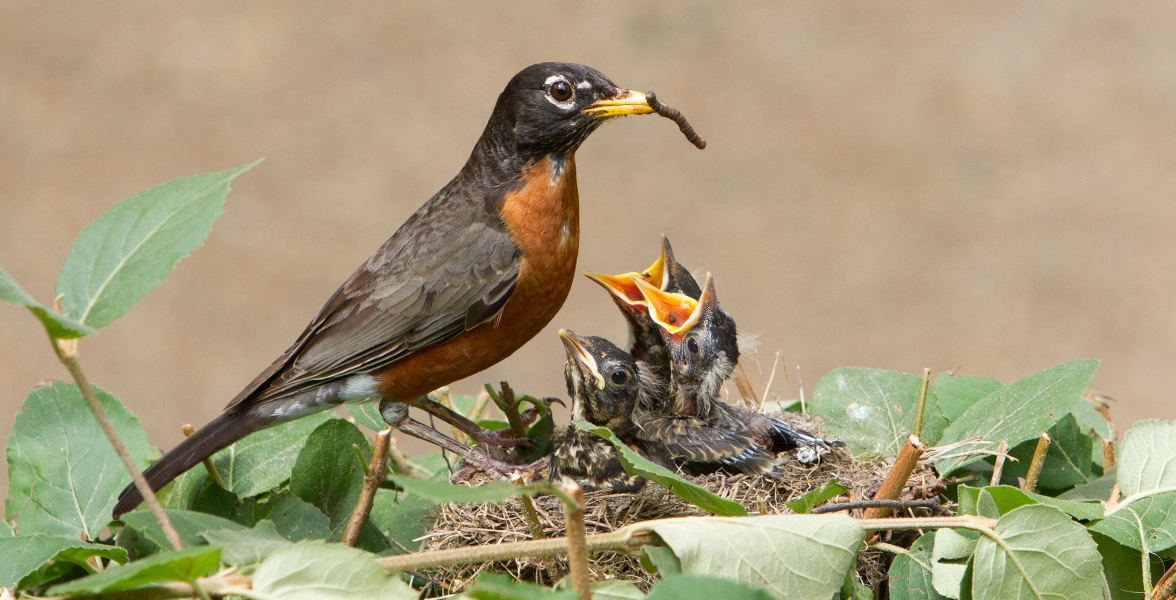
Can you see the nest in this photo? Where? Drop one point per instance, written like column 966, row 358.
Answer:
column 464, row 525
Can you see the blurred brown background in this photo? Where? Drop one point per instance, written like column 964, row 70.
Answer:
column 983, row 186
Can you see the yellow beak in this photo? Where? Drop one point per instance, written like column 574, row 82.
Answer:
column 626, row 102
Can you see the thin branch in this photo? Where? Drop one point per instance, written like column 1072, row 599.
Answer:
column 896, row 479
column 577, row 534
column 800, row 385
column 67, row 353
column 931, row 503
column 1002, row 452
column 918, row 429
column 1035, row 465
column 188, row 430
column 371, row 483
column 626, row 540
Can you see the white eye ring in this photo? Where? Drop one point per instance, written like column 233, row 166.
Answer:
column 563, row 104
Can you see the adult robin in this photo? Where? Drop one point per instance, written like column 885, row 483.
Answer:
column 470, row 277
column 604, row 385
column 704, row 349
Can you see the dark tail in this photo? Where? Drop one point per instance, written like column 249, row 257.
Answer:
column 785, row 437
column 222, row 431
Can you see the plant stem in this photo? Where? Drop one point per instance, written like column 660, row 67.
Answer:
column 371, row 483
column 577, row 544
column 188, row 430
column 67, row 353
column 896, row 479
column 895, row 524
column 626, row 540
column 1038, row 460
column 918, row 429
column 1002, row 452
column 932, row 503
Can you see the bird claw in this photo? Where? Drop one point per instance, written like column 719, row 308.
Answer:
column 477, row 461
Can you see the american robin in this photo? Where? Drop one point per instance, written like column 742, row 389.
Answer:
column 466, row 280
column 703, row 345
column 604, row 385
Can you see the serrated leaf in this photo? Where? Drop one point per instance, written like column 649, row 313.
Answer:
column 190, row 525
column 316, row 570
column 1067, row 462
column 1020, row 411
column 25, row 554
column 63, row 475
column 258, row 463
column 1145, row 518
column 184, row 565
column 957, row 393
column 1124, row 569
column 56, row 325
column 949, row 560
column 1042, row 554
column 246, row 546
column 910, row 572
column 810, row 499
column 493, row 586
column 873, row 411
column 790, row 556
column 635, row 464
column 695, row 587
column 133, row 247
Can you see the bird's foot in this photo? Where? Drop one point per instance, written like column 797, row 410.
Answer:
column 477, row 461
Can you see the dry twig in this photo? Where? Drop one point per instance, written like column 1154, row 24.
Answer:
column 1035, row 465
column 896, row 480
column 373, row 476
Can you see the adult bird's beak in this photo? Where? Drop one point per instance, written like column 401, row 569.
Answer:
column 574, row 345
column 626, row 102
column 674, row 313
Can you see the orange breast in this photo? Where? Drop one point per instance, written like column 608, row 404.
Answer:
column 543, row 218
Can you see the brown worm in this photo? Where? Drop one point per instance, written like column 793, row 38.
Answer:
column 672, row 114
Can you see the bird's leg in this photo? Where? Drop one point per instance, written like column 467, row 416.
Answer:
column 478, row 433
column 473, row 457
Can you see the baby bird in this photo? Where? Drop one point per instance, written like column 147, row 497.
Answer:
column 603, row 384
column 703, row 346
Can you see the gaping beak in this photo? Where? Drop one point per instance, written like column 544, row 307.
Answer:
column 574, row 346
column 674, row 313
column 657, row 274
column 626, row 102
column 621, row 286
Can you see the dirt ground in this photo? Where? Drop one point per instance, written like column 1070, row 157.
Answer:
column 982, row 187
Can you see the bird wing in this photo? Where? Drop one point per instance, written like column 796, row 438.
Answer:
column 692, row 440
column 426, row 285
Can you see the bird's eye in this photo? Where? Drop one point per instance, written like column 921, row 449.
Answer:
column 692, row 346
column 560, row 91
column 620, row 377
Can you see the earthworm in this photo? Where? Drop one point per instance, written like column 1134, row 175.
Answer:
column 672, row 114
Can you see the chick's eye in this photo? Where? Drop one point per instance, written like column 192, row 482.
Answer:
column 692, row 346
column 560, row 91
column 620, row 377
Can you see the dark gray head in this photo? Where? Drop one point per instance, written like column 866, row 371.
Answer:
column 602, row 380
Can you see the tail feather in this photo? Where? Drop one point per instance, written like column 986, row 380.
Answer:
column 784, row 436
column 218, row 434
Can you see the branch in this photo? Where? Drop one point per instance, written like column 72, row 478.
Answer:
column 371, row 483
column 932, row 503
column 900, row 472
column 918, row 428
column 67, row 353
column 626, row 540
column 1035, row 465
column 577, row 534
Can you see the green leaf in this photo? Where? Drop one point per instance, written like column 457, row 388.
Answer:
column 696, row 587
column 441, row 491
column 872, row 410
column 190, row 525
column 1124, row 568
column 957, row 393
column 1089, row 419
column 793, row 556
column 613, row 589
column 316, row 570
column 1099, row 489
column 635, row 464
column 368, row 415
column 1145, row 519
column 661, row 560
column 63, row 475
column 811, row 498
column 403, row 516
column 1020, row 411
column 56, row 325
column 1067, row 463
column 1006, row 498
column 493, row 586
column 1041, row 553
column 949, row 560
column 257, row 463
column 6, row 530
column 297, row 520
column 184, row 565
column 25, row 554
column 133, row 247
column 247, row 546
column 910, row 572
